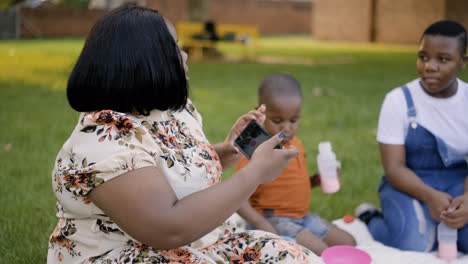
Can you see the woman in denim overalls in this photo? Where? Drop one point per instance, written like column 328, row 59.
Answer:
column 425, row 176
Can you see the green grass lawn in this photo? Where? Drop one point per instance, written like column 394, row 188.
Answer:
column 343, row 87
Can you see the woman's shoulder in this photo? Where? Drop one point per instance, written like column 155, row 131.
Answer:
column 192, row 110
column 394, row 96
column 109, row 125
column 462, row 81
column 103, row 145
column 411, row 85
column 397, row 95
column 108, row 132
column 190, row 106
column 463, row 85
column 106, row 117
column 103, row 134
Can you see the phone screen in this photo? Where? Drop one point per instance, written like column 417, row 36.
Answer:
column 251, row 137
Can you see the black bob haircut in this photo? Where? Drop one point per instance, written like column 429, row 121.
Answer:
column 448, row 28
column 129, row 62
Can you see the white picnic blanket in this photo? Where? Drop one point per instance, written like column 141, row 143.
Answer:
column 382, row 254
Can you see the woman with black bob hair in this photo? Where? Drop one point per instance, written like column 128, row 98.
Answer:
column 137, row 181
column 125, row 67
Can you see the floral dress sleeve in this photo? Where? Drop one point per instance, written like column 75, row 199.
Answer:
column 104, row 145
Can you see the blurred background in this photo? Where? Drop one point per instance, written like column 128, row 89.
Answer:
column 381, row 21
column 347, row 54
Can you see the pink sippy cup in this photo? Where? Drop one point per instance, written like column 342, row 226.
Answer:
column 327, row 166
column 447, row 238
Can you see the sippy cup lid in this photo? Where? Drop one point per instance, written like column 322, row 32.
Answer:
column 325, row 146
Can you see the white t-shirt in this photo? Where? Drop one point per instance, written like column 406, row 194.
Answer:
column 445, row 117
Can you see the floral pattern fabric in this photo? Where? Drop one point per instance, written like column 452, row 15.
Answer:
column 106, row 144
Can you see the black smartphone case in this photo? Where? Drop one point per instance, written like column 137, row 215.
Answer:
column 251, row 137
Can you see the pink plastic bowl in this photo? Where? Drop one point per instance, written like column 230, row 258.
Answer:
column 345, row 255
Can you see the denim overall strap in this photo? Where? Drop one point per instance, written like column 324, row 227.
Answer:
column 409, row 102
column 448, row 155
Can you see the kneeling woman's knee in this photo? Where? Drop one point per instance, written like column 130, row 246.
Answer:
column 409, row 224
column 420, row 237
column 421, row 245
column 463, row 240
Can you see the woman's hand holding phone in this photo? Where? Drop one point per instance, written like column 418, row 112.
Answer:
column 269, row 161
column 227, row 151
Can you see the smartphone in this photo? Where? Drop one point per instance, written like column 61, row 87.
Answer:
column 251, row 137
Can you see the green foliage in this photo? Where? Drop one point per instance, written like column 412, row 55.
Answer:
column 343, row 87
column 75, row 3
column 8, row 3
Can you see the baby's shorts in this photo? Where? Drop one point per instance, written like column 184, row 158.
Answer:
column 287, row 226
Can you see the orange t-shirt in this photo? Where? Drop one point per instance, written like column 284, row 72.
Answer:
column 289, row 194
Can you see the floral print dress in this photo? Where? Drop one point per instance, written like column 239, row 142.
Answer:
column 106, row 144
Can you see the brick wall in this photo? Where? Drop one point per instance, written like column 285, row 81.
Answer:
column 271, row 17
column 404, row 21
column 385, row 21
column 342, row 20
column 457, row 10
column 57, row 21
column 173, row 10
column 391, row 21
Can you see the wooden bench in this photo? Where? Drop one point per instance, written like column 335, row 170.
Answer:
column 239, row 35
